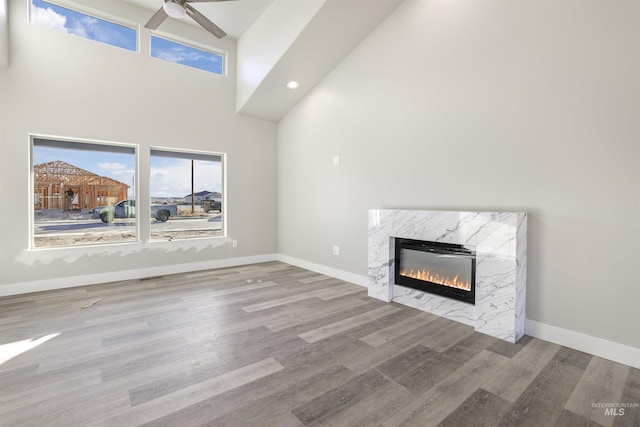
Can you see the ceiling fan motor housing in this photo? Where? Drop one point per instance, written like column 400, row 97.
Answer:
column 174, row 8
column 180, row 8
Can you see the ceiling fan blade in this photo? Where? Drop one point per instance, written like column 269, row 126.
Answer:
column 157, row 19
column 204, row 22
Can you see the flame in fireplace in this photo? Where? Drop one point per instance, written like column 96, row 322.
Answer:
column 427, row 276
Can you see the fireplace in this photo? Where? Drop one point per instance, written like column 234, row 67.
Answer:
column 443, row 269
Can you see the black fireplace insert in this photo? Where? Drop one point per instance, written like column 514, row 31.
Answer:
column 443, row 269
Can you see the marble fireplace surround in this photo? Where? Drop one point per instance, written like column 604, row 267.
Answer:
column 500, row 239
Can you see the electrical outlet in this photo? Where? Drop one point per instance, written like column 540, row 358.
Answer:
column 234, row 243
column 336, row 250
column 336, row 160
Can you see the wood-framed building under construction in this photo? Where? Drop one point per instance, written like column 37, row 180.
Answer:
column 53, row 180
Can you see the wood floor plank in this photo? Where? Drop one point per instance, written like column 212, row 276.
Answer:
column 325, row 407
column 323, row 318
column 435, row 368
column 481, row 409
column 344, row 325
column 96, row 318
column 263, row 402
column 573, row 357
column 631, row 396
column 365, row 357
column 380, row 337
column 343, row 291
column 603, row 381
column 403, row 365
column 286, row 419
column 438, row 402
column 77, row 400
column 320, row 311
column 229, row 291
column 206, row 368
column 508, row 349
column 25, row 400
column 182, row 398
column 314, row 279
column 522, row 369
column 100, row 407
column 41, row 402
column 157, row 354
column 445, row 338
column 372, row 410
column 568, row 418
column 542, row 403
column 283, row 301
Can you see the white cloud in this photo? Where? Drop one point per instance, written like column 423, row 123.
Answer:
column 120, row 172
column 115, row 168
column 112, row 166
column 85, row 27
column 49, row 18
column 177, row 54
column 173, row 178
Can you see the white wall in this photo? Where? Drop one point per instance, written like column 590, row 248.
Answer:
column 489, row 105
column 62, row 85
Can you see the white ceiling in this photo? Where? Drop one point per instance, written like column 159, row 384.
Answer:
column 233, row 16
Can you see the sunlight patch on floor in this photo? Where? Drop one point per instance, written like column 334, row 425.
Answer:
column 10, row 350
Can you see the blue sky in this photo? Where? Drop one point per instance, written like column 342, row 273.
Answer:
column 169, row 177
column 71, row 22
column 186, row 55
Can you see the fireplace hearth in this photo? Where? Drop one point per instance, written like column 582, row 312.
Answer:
column 443, row 269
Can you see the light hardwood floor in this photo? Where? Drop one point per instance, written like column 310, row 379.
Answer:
column 275, row 345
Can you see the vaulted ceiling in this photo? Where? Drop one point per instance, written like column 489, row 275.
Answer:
column 283, row 40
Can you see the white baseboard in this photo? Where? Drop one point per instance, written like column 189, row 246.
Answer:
column 600, row 347
column 94, row 279
column 327, row 271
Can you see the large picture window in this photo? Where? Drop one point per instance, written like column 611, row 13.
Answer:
column 187, row 194
column 79, row 193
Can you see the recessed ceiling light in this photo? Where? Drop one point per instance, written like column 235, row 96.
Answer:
column 292, row 84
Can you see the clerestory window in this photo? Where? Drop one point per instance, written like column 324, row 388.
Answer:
column 185, row 54
column 90, row 27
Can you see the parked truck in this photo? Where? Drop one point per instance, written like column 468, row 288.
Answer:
column 211, row 205
column 127, row 209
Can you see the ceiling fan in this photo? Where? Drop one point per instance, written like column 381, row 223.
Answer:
column 180, row 8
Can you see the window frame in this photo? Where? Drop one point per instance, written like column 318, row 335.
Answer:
column 223, row 176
